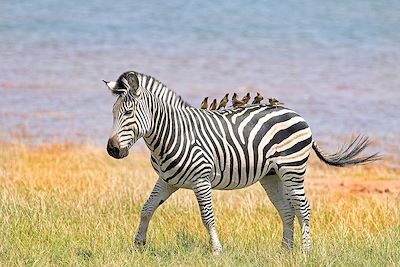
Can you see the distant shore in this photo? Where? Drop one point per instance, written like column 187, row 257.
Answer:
column 387, row 169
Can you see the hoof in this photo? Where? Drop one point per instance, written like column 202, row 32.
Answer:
column 306, row 250
column 139, row 243
column 217, row 252
column 138, row 246
column 306, row 247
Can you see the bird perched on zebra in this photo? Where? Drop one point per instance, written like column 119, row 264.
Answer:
column 204, row 104
column 231, row 149
column 273, row 102
column 223, row 102
column 213, row 104
column 246, row 98
column 236, row 102
column 258, row 98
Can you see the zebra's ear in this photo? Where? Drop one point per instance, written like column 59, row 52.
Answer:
column 112, row 87
column 133, row 83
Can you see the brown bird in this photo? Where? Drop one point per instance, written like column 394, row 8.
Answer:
column 213, row 104
column 246, row 98
column 236, row 102
column 273, row 102
column 204, row 104
column 258, row 98
column 223, row 102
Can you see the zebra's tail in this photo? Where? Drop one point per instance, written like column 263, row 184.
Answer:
column 347, row 154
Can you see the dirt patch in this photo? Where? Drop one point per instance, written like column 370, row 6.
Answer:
column 344, row 185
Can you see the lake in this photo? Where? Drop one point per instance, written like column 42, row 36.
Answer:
column 336, row 63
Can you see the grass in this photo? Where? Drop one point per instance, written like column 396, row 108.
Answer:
column 73, row 205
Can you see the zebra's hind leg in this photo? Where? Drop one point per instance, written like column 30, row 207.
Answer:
column 160, row 194
column 276, row 192
column 202, row 190
column 293, row 182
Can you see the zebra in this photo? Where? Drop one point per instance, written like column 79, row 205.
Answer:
column 226, row 149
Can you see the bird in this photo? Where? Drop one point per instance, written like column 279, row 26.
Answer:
column 273, row 102
column 246, row 98
column 213, row 104
column 236, row 102
column 258, row 98
column 204, row 104
column 223, row 102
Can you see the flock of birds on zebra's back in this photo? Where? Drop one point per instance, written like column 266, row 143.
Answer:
column 272, row 102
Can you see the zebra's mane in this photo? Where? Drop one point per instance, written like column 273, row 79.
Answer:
column 160, row 90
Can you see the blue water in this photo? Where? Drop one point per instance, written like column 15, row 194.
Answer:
column 336, row 63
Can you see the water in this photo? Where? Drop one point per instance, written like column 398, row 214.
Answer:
column 337, row 64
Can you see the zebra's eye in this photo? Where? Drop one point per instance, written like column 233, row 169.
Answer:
column 128, row 112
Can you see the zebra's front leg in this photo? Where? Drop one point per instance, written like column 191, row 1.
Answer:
column 202, row 190
column 160, row 194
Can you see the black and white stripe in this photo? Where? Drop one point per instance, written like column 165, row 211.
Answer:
column 221, row 149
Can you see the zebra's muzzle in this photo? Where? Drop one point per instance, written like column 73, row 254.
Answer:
column 115, row 151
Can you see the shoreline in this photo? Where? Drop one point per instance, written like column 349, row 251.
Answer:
column 382, row 177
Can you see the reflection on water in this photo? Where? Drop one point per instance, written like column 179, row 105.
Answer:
column 337, row 64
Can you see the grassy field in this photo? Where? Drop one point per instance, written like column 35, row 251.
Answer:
column 73, row 205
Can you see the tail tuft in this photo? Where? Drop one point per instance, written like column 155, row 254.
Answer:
column 347, row 155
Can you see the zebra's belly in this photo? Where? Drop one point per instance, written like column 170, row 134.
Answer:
column 228, row 179
column 233, row 183
column 218, row 181
column 221, row 179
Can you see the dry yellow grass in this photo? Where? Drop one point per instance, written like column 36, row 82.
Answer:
column 65, row 204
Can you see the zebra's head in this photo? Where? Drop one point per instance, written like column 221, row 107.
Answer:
column 131, row 115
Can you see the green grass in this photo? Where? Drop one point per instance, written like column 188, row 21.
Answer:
column 68, row 205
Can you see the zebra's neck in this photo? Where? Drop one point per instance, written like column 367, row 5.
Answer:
column 167, row 124
column 160, row 91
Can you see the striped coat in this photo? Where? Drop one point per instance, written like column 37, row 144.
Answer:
column 233, row 148
column 220, row 149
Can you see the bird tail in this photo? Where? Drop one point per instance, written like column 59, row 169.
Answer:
column 347, row 154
